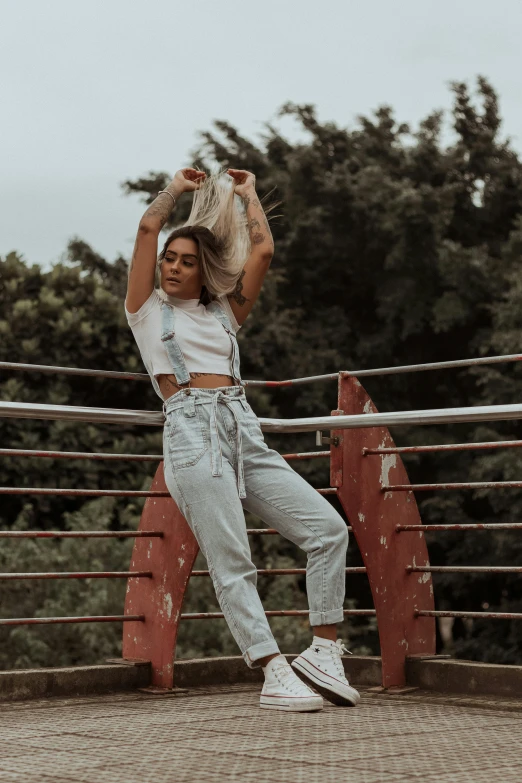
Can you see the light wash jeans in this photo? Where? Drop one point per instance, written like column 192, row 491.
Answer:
column 217, row 464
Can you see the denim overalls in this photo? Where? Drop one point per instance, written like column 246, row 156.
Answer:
column 222, row 395
column 216, row 465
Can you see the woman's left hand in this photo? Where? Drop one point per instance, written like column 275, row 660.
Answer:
column 244, row 181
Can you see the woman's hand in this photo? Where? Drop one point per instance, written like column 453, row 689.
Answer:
column 188, row 179
column 244, row 181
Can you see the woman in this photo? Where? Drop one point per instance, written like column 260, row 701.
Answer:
column 216, row 461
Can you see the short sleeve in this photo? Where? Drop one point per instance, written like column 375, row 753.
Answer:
column 145, row 309
column 223, row 300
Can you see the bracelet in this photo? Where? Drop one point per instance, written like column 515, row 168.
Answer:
column 170, row 194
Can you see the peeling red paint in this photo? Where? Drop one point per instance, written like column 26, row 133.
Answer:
column 374, row 516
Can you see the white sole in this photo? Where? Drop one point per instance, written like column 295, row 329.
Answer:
column 311, row 704
column 332, row 690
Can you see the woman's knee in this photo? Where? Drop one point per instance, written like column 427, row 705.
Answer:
column 336, row 530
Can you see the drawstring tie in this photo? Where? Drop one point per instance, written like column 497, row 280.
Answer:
column 215, row 446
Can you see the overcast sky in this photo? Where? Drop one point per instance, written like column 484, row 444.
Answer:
column 97, row 92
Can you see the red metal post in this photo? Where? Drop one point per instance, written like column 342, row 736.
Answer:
column 374, row 515
column 170, row 559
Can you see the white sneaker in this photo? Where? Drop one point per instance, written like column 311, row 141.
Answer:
column 283, row 690
column 321, row 666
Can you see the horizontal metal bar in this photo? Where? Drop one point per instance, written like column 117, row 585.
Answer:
column 454, row 364
column 139, row 376
column 32, row 410
column 478, row 526
column 395, row 418
column 96, row 493
column 461, row 485
column 497, row 444
column 310, row 424
column 281, row 571
column 126, row 376
column 290, row 613
column 483, row 360
column 127, row 457
column 80, row 455
column 471, row 615
column 81, row 534
column 467, row 569
column 59, row 620
column 306, row 455
column 102, row 493
column 331, row 376
column 78, row 575
column 271, row 532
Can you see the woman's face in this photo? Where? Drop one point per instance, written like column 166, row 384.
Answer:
column 180, row 269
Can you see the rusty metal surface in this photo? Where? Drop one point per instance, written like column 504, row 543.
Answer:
column 294, row 381
column 80, row 455
column 81, row 534
column 220, row 734
column 99, row 493
column 268, row 531
column 467, row 569
column 95, row 493
column 451, row 485
column 277, row 613
column 171, row 560
column 117, row 618
column 472, row 615
column 306, row 455
column 470, row 526
column 374, row 516
column 77, row 575
column 496, row 444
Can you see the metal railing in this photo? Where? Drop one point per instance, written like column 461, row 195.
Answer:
column 367, row 476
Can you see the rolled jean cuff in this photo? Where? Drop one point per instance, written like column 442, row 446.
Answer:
column 260, row 650
column 326, row 618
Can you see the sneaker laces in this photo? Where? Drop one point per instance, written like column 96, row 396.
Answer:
column 336, row 653
column 286, row 677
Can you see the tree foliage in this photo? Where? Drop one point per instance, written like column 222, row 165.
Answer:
column 393, row 248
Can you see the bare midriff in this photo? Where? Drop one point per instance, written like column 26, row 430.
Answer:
column 199, row 380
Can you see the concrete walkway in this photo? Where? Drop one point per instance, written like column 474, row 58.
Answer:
column 220, row 734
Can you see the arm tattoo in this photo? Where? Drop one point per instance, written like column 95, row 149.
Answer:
column 256, row 236
column 237, row 295
column 255, row 229
column 160, row 208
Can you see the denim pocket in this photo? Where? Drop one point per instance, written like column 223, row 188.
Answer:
column 184, row 441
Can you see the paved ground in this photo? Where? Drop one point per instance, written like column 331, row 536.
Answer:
column 220, row 734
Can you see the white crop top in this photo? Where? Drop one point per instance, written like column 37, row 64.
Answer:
column 205, row 344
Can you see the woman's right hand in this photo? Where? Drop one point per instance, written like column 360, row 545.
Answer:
column 188, row 179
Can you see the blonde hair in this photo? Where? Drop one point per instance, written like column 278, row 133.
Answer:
column 218, row 224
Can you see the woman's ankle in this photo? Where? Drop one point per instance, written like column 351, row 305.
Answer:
column 265, row 661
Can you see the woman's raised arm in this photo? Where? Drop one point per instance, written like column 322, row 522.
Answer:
column 143, row 263
column 251, row 279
